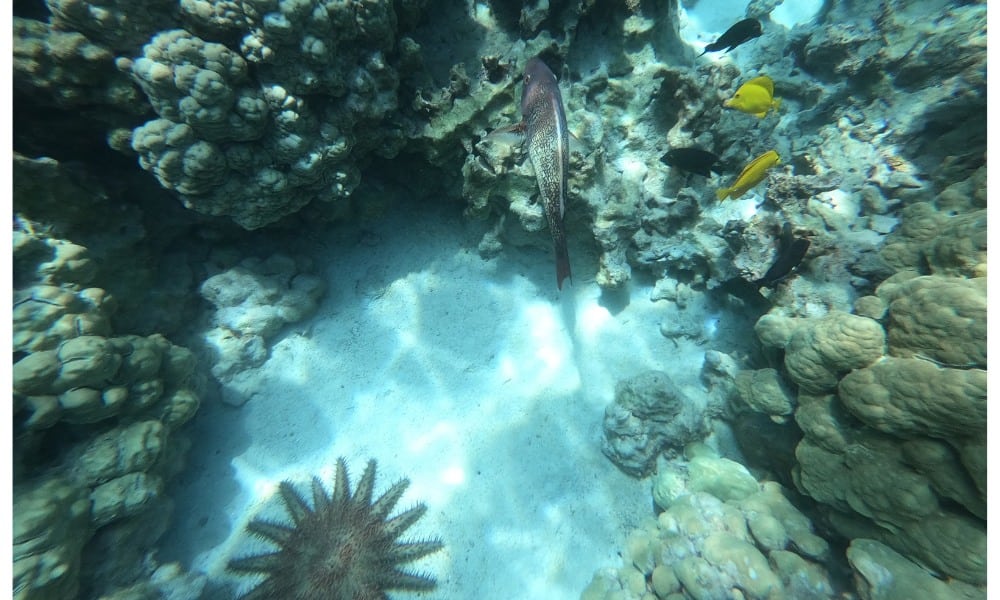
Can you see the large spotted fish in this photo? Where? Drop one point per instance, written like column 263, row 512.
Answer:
column 547, row 139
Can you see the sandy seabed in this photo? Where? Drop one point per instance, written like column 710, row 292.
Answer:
column 478, row 380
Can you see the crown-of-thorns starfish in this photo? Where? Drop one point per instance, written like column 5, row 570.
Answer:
column 343, row 547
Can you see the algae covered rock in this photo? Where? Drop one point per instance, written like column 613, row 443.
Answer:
column 649, row 413
column 257, row 297
column 253, row 300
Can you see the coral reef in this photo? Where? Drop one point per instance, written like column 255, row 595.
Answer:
column 259, row 134
column 868, row 390
column 893, row 444
column 96, row 414
column 344, row 546
column 67, row 70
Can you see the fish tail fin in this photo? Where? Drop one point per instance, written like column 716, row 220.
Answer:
column 776, row 103
column 577, row 146
column 562, row 264
column 703, row 53
column 722, row 193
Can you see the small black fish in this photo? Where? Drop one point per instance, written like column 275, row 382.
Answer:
column 748, row 292
column 744, row 31
column 692, row 160
column 791, row 251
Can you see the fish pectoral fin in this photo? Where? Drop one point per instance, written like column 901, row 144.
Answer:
column 511, row 135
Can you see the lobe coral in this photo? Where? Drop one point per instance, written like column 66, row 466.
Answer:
column 343, row 547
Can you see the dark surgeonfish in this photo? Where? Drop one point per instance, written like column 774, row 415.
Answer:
column 547, row 139
column 791, row 251
column 692, row 160
column 742, row 32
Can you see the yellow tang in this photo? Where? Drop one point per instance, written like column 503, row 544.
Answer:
column 751, row 175
column 755, row 97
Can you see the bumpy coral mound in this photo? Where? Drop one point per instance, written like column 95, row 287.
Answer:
column 908, row 396
column 66, row 69
column 763, row 391
column 650, row 412
column 882, row 574
column 947, row 235
column 893, row 446
column 720, row 531
column 819, row 351
column 257, row 135
column 49, row 532
column 344, row 546
column 95, row 417
column 253, row 299
column 937, row 317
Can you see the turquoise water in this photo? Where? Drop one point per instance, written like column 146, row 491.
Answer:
column 252, row 239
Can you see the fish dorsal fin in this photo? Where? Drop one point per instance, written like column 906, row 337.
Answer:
column 763, row 81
